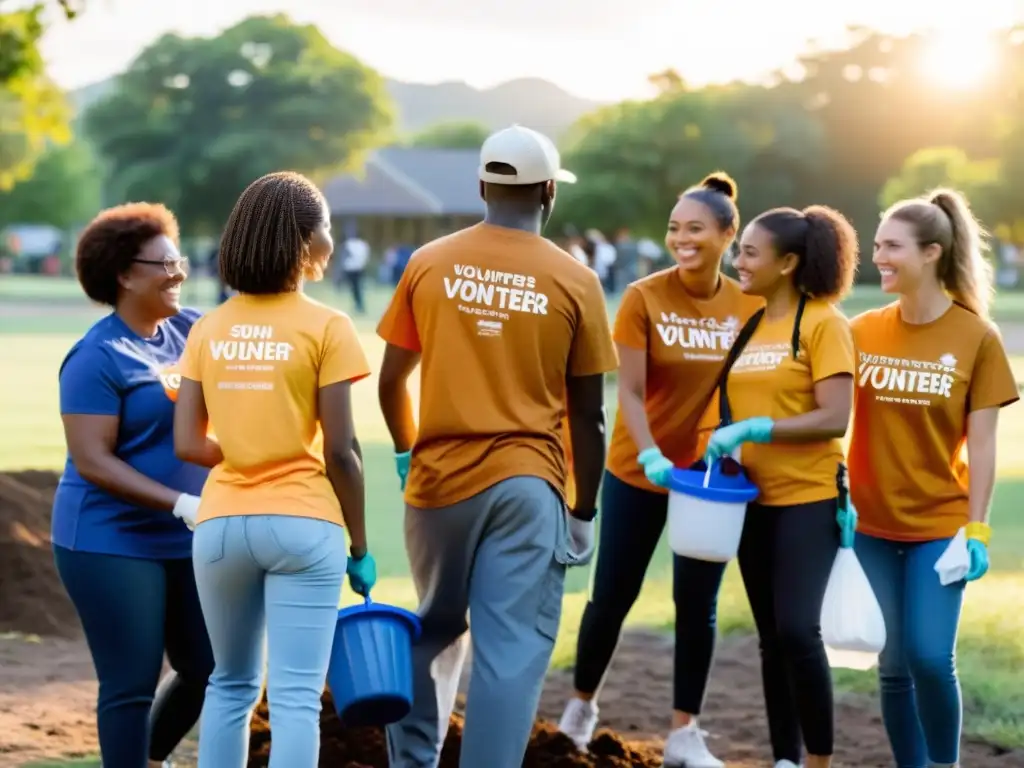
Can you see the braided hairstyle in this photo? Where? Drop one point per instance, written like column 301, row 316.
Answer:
column 265, row 245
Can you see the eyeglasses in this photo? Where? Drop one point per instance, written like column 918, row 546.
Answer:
column 171, row 266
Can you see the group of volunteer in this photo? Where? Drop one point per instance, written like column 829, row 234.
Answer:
column 238, row 425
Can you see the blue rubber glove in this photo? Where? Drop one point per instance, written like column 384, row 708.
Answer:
column 846, row 517
column 725, row 440
column 656, row 466
column 402, row 465
column 362, row 574
column 978, row 536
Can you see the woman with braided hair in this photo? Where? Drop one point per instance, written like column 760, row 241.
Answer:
column 271, row 371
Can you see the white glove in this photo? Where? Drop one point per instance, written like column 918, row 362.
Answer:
column 581, row 539
column 186, row 508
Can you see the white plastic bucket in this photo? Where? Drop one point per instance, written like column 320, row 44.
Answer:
column 706, row 510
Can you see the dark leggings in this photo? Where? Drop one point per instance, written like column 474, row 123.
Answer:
column 786, row 556
column 632, row 520
column 132, row 610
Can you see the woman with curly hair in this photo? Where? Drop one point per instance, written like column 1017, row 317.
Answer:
column 272, row 370
column 125, row 503
column 786, row 397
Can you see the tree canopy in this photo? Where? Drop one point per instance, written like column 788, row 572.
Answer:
column 194, row 120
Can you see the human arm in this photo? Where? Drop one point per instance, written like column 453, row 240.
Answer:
column 342, row 459
column 90, row 405
column 981, row 453
column 393, row 392
column 191, row 424
column 632, row 389
column 830, row 418
column 587, row 426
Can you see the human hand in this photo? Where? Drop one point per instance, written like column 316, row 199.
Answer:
column 978, row 537
column 725, row 440
column 581, row 534
column 846, row 517
column 362, row 574
column 402, row 461
column 656, row 467
column 186, row 508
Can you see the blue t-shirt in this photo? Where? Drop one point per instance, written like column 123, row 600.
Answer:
column 112, row 371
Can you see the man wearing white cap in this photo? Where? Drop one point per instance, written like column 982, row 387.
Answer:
column 511, row 331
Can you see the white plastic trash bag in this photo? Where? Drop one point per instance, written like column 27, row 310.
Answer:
column 852, row 624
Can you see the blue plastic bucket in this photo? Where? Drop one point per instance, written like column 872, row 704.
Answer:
column 707, row 509
column 370, row 674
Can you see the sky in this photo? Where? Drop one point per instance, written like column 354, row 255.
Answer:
column 599, row 49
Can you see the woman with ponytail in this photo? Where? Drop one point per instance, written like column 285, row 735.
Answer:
column 787, row 400
column 673, row 330
column 933, row 376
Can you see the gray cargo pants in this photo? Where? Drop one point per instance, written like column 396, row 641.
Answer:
column 502, row 556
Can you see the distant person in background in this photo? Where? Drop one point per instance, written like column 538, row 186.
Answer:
column 627, row 257
column 487, row 529
column 123, row 508
column 351, row 267
column 269, row 551
column 650, row 256
column 665, row 384
column 603, row 259
column 403, row 252
column 933, row 378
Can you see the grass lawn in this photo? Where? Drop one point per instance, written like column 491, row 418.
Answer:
column 40, row 318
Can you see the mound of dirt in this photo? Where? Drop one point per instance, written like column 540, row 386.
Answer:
column 32, row 598
column 342, row 747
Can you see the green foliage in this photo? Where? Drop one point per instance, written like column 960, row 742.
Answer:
column 464, row 134
column 63, row 191
column 935, row 167
column 194, row 120
column 33, row 112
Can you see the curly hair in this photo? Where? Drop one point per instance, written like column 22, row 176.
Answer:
column 112, row 240
column 825, row 243
column 265, row 243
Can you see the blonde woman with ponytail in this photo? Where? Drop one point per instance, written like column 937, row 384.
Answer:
column 931, row 379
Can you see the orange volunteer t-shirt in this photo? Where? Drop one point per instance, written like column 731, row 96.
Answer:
column 686, row 341
column 916, row 386
column 261, row 361
column 501, row 318
column 765, row 380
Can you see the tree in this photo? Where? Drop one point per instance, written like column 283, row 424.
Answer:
column 63, row 190
column 935, row 167
column 454, row 135
column 33, row 113
column 194, row 120
column 633, row 159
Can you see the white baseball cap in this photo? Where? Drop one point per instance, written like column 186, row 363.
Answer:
column 532, row 154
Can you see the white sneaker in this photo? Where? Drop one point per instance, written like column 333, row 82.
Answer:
column 685, row 748
column 786, row 764
column 579, row 721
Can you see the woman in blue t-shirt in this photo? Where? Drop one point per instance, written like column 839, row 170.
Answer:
column 125, row 504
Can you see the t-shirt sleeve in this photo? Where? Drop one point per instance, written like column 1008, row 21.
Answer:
column 343, row 357
column 398, row 325
column 89, row 383
column 831, row 350
column 190, row 364
column 593, row 350
column 631, row 323
column 993, row 384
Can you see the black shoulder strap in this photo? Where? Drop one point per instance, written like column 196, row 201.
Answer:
column 746, row 332
column 742, row 339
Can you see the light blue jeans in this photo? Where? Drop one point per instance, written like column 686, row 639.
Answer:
column 921, row 701
column 269, row 586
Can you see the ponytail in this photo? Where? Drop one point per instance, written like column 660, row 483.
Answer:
column 963, row 270
column 825, row 243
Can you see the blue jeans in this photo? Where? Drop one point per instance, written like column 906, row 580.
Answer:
column 921, row 702
column 267, row 582
column 132, row 610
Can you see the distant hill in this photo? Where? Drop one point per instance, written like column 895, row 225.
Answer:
column 534, row 102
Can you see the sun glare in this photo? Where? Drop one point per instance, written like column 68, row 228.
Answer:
column 958, row 61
